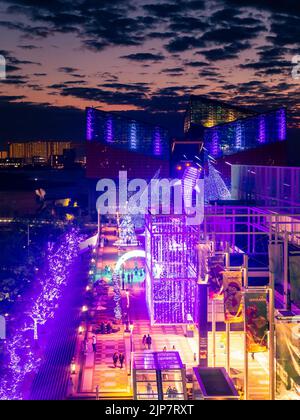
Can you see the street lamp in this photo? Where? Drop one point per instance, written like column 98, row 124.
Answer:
column 73, row 367
column 131, row 327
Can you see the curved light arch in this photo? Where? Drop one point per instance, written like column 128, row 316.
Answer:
column 137, row 253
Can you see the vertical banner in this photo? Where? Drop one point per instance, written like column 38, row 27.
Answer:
column 294, row 266
column 216, row 266
column 288, row 360
column 203, row 325
column 233, row 302
column 256, row 321
column 203, row 254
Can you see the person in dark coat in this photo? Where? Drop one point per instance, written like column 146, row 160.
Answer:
column 121, row 359
column 149, row 341
column 115, row 359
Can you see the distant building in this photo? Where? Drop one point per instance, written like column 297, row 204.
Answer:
column 117, row 143
column 209, row 113
column 226, row 130
column 38, row 150
column 247, row 133
column 3, row 154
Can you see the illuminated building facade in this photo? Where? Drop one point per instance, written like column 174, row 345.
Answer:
column 115, row 143
column 122, row 133
column 209, row 113
column 247, row 133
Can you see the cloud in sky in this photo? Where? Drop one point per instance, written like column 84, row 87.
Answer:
column 134, row 55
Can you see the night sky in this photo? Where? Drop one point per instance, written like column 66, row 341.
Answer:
column 143, row 57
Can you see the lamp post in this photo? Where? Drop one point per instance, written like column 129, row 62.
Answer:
column 131, row 327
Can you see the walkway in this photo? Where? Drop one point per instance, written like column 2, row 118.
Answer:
column 98, row 369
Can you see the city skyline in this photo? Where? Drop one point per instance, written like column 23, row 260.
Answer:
column 145, row 57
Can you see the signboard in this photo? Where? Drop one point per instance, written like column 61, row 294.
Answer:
column 203, row 254
column 216, row 267
column 233, row 302
column 288, row 359
column 256, row 321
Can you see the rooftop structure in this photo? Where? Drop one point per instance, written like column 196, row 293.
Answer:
column 209, row 113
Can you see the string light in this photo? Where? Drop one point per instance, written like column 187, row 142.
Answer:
column 21, row 359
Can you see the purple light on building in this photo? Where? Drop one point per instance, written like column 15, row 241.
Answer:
column 133, row 136
column 262, row 129
column 109, row 138
column 90, row 124
column 215, row 143
column 157, row 142
column 281, row 122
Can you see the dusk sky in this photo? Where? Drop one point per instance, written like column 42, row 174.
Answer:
column 145, row 56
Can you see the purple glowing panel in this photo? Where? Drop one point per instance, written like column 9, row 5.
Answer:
column 90, row 124
column 109, row 138
column 262, row 129
column 157, row 142
column 281, row 122
column 215, row 143
column 133, row 136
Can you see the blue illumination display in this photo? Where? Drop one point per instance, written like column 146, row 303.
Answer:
column 133, row 136
column 246, row 133
column 89, row 124
column 262, row 129
column 109, row 131
column 114, row 129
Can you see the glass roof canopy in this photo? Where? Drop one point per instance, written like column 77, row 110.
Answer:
column 167, row 360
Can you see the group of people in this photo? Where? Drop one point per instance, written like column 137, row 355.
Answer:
column 118, row 357
column 106, row 328
column 128, row 277
column 85, row 345
column 147, row 341
column 172, row 393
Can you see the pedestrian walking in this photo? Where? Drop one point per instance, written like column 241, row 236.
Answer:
column 145, row 341
column 150, row 390
column 121, row 359
column 115, row 359
column 149, row 341
column 70, row 387
column 84, row 346
column 94, row 343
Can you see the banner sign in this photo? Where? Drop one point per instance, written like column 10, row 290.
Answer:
column 233, row 302
column 288, row 360
column 256, row 321
column 216, row 266
column 204, row 251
